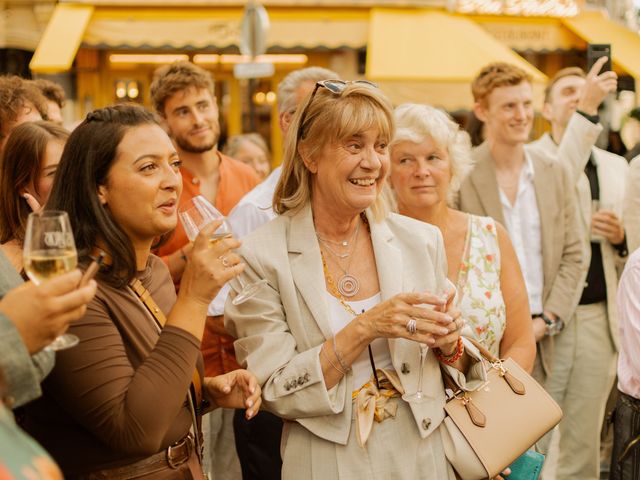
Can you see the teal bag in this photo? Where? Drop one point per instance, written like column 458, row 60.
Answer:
column 527, row 466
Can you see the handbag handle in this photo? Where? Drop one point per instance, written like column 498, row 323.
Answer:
column 516, row 385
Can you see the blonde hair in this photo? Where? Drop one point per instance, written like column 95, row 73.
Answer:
column 415, row 123
column 329, row 118
column 495, row 75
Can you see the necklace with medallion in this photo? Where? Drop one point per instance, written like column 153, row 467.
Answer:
column 348, row 285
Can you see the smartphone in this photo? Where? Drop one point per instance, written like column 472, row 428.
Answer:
column 92, row 269
column 597, row 50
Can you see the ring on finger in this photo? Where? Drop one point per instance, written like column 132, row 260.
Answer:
column 412, row 326
column 225, row 262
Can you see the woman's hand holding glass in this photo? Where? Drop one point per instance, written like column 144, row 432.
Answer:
column 210, row 264
column 391, row 319
column 200, row 213
column 448, row 342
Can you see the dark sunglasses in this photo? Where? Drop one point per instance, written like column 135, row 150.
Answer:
column 334, row 86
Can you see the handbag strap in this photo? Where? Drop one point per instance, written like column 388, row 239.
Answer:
column 145, row 297
column 195, row 389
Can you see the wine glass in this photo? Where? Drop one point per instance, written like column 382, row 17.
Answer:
column 418, row 396
column 195, row 217
column 49, row 250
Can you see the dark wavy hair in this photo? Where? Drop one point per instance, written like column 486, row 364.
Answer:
column 86, row 161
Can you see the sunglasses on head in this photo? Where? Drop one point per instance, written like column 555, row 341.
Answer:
column 334, row 86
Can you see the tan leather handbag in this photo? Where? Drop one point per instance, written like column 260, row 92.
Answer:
column 484, row 431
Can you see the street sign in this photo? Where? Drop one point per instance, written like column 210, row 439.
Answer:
column 253, row 70
column 255, row 27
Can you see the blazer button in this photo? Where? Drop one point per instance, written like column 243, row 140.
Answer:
column 405, row 368
column 306, row 377
column 426, row 423
column 287, row 386
column 300, row 380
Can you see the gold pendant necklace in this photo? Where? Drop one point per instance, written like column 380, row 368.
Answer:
column 348, row 285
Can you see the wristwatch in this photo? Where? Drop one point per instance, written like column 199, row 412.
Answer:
column 554, row 327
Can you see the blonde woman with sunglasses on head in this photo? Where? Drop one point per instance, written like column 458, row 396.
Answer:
column 352, row 291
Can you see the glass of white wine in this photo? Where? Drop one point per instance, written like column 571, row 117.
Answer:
column 419, row 396
column 195, row 217
column 50, row 250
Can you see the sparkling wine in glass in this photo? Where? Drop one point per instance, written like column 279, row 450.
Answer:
column 194, row 217
column 418, row 396
column 49, row 250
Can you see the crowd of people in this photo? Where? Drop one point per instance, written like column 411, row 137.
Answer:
column 386, row 246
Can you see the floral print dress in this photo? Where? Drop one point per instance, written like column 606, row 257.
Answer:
column 478, row 283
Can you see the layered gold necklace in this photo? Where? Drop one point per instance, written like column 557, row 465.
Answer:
column 347, row 285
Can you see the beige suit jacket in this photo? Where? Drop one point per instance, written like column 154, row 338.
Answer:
column 631, row 211
column 562, row 254
column 612, row 176
column 281, row 329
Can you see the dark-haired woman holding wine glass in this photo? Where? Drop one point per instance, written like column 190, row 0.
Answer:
column 126, row 401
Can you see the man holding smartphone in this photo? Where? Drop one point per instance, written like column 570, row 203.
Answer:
column 583, row 368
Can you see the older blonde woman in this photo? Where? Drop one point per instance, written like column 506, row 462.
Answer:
column 430, row 156
column 351, row 291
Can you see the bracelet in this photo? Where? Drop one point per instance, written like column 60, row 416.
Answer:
column 454, row 357
column 345, row 367
column 330, row 362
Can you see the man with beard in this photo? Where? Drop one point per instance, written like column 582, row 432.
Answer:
column 183, row 95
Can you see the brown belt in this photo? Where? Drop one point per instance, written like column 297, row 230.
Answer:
column 171, row 458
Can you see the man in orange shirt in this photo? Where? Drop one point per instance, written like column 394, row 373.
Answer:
column 183, row 95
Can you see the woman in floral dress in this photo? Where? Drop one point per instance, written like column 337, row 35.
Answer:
column 430, row 156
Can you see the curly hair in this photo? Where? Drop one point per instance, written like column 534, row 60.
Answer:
column 175, row 77
column 415, row 123
column 51, row 90
column 15, row 92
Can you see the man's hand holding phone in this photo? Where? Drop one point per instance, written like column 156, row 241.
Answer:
column 598, row 85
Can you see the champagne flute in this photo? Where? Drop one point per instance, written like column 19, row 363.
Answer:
column 195, row 217
column 418, row 396
column 49, row 250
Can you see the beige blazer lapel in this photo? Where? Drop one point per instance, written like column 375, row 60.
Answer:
column 483, row 179
column 388, row 264
column 543, row 183
column 306, row 267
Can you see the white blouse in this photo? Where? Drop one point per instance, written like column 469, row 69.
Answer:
column 339, row 318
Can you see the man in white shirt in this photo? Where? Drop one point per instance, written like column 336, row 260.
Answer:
column 529, row 193
column 583, row 367
column 258, row 440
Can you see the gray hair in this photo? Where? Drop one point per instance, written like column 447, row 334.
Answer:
column 415, row 123
column 234, row 142
column 287, row 87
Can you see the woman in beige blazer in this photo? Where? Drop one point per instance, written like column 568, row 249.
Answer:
column 351, row 290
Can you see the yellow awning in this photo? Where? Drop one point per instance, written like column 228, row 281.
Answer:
column 220, row 28
column 61, row 39
column 433, row 46
column 595, row 27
